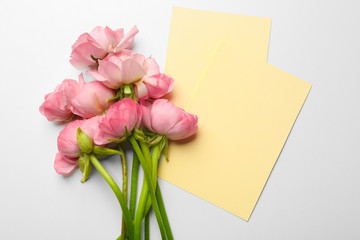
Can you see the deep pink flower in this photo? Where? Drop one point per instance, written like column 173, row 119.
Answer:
column 67, row 139
column 98, row 43
column 56, row 106
column 165, row 118
column 129, row 67
column 91, row 99
column 124, row 113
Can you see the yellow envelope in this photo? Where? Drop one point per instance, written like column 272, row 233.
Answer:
column 246, row 110
column 194, row 34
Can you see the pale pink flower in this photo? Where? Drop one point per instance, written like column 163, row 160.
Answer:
column 154, row 86
column 124, row 113
column 65, row 165
column 91, row 99
column 129, row 67
column 98, row 43
column 67, row 139
column 165, row 118
column 56, row 106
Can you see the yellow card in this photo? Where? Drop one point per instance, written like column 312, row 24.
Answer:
column 246, row 110
column 194, row 34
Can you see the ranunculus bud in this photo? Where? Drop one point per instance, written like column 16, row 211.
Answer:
column 98, row 43
column 85, row 143
column 122, row 115
column 165, row 118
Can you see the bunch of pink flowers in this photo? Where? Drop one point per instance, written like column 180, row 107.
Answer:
column 123, row 103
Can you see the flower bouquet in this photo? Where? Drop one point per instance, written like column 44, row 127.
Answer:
column 123, row 104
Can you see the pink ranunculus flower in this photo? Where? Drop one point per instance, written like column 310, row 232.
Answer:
column 67, row 139
column 124, row 113
column 98, row 43
column 91, row 99
column 56, row 106
column 165, row 118
column 129, row 67
column 66, row 159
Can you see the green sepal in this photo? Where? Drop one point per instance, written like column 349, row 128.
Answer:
column 113, row 99
column 149, row 133
column 118, row 96
column 164, row 147
column 101, row 152
column 85, row 143
column 120, row 140
column 85, row 166
column 126, row 90
column 156, row 139
column 139, row 135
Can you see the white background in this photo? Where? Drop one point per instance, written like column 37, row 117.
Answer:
column 314, row 189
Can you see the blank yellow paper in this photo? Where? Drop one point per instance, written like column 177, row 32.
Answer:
column 246, row 110
column 194, row 34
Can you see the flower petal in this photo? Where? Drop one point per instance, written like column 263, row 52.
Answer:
column 128, row 40
column 132, row 71
column 184, row 128
column 160, row 84
column 164, row 115
column 111, row 72
column 101, row 137
column 146, row 112
column 141, row 90
column 151, row 66
column 64, row 165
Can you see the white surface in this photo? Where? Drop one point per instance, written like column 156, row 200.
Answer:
column 314, row 189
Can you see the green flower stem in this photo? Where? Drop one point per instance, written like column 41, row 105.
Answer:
column 140, row 210
column 125, row 190
column 163, row 212
column 147, row 227
column 155, row 157
column 154, row 165
column 118, row 193
column 134, row 181
column 146, row 152
column 151, row 186
column 143, row 196
column 156, row 153
column 154, row 162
